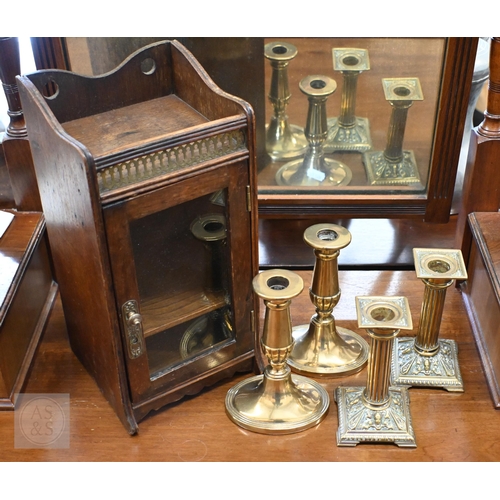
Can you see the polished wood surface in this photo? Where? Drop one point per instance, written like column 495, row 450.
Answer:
column 448, row 427
column 376, row 243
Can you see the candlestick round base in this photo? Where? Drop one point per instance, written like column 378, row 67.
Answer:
column 331, row 173
column 277, row 405
column 327, row 353
column 285, row 141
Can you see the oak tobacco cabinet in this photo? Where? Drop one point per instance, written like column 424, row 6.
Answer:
column 147, row 180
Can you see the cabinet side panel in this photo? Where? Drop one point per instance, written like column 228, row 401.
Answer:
column 484, row 314
column 68, row 190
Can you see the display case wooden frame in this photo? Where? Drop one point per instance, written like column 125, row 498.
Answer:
column 433, row 205
column 89, row 138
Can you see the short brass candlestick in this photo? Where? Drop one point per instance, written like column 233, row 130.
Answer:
column 377, row 412
column 283, row 140
column 277, row 402
column 211, row 230
column 347, row 132
column 395, row 166
column 322, row 348
column 315, row 169
column 426, row 360
column 212, row 328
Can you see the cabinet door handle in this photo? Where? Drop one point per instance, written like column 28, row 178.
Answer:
column 132, row 325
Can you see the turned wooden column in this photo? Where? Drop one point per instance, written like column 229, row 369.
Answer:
column 481, row 190
column 16, row 145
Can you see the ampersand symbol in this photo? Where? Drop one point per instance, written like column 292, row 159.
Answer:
column 34, row 431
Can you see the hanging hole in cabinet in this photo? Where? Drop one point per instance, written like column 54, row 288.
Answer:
column 148, row 66
column 50, row 90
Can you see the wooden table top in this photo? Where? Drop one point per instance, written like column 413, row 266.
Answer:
column 451, row 427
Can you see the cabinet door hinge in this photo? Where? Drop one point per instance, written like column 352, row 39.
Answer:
column 252, row 321
column 249, row 199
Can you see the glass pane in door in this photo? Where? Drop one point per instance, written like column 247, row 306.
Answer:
column 182, row 265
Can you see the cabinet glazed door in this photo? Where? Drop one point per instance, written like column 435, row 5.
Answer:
column 180, row 258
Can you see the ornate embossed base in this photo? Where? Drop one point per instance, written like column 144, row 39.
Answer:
column 410, row 368
column 380, row 171
column 359, row 421
column 355, row 138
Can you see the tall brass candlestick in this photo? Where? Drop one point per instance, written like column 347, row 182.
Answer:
column 277, row 402
column 315, row 169
column 377, row 412
column 283, row 140
column 427, row 360
column 322, row 348
column 347, row 132
column 395, row 166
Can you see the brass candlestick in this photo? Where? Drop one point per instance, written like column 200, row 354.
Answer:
column 277, row 402
column 283, row 140
column 322, row 347
column 377, row 412
column 315, row 169
column 347, row 132
column 395, row 166
column 216, row 326
column 427, row 360
column 211, row 230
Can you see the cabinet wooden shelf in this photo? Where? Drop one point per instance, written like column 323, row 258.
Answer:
column 112, row 132
column 147, row 178
column 161, row 313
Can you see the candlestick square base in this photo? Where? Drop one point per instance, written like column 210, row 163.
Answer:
column 361, row 422
column 380, row 171
column 356, row 138
column 410, row 368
